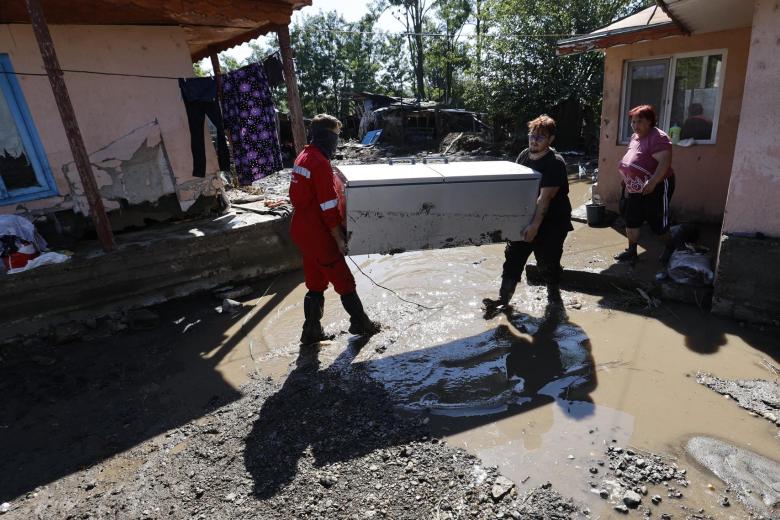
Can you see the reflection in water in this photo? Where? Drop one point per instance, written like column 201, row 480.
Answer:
column 532, row 361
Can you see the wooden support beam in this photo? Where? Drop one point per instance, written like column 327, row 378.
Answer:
column 293, row 99
column 72, row 131
column 217, row 74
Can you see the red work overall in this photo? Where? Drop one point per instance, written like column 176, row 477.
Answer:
column 313, row 195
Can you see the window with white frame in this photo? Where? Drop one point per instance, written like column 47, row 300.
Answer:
column 684, row 89
column 24, row 170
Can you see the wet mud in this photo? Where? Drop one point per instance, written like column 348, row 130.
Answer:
column 540, row 391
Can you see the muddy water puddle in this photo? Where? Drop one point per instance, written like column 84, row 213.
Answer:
column 541, row 390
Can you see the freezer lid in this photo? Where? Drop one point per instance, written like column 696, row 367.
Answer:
column 357, row 175
column 475, row 171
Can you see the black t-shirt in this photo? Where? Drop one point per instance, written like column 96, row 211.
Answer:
column 553, row 170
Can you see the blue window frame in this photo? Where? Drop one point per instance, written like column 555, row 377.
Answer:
column 24, row 171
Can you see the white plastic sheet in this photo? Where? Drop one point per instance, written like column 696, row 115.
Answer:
column 44, row 259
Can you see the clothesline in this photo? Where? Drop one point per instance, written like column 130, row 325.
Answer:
column 121, row 74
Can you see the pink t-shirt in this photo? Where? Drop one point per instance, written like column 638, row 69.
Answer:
column 638, row 165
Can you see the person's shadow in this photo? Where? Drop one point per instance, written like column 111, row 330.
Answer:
column 336, row 412
column 556, row 363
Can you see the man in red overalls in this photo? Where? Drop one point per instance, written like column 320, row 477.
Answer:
column 317, row 231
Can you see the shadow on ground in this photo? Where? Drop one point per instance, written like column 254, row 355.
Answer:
column 67, row 407
column 317, row 411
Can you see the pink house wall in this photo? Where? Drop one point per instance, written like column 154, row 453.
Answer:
column 110, row 108
column 703, row 170
column 754, row 192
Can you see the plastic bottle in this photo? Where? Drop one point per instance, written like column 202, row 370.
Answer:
column 674, row 133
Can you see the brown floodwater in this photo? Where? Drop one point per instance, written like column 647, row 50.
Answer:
column 540, row 390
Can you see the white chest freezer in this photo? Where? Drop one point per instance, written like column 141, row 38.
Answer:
column 404, row 207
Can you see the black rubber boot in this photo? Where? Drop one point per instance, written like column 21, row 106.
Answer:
column 313, row 307
column 506, row 291
column 359, row 323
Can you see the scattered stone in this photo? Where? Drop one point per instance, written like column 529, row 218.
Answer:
column 328, row 481
column 231, row 306
column 4, row 508
column 603, row 493
column 724, row 501
column 594, row 470
column 632, row 499
column 656, row 499
column 666, row 516
column 754, row 395
column 501, row 487
column 621, row 508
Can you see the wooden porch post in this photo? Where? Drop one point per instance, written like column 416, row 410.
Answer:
column 293, row 99
column 217, row 73
column 68, row 116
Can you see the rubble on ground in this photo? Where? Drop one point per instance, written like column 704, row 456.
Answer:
column 627, row 476
column 760, row 397
column 345, row 452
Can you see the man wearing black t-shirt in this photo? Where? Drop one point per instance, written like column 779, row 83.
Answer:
column 551, row 222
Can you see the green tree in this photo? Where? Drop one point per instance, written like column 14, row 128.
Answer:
column 445, row 54
column 228, row 63
column 518, row 74
column 413, row 15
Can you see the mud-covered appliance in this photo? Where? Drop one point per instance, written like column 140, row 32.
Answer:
column 390, row 208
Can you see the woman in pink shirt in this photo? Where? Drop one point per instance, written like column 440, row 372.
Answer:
column 648, row 181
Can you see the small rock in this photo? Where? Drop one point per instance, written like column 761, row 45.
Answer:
column 328, row 481
column 230, row 497
column 632, row 499
column 90, row 486
column 594, row 470
column 724, row 501
column 666, row 516
column 501, row 487
column 571, row 457
column 231, row 306
column 603, row 493
column 4, row 508
column 620, row 508
column 656, row 499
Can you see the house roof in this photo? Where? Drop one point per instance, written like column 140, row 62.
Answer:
column 666, row 18
column 211, row 25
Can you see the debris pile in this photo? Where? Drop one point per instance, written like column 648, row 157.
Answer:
column 759, row 397
column 627, row 475
column 323, row 445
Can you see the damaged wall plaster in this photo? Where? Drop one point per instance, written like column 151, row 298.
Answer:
column 148, row 165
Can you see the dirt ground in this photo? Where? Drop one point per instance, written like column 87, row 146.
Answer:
column 190, row 413
column 565, row 405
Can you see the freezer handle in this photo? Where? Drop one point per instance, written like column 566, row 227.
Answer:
column 402, row 160
column 436, row 159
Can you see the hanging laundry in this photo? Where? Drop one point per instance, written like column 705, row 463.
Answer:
column 200, row 100
column 273, row 69
column 250, row 117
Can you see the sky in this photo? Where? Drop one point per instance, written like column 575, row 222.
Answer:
column 350, row 10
